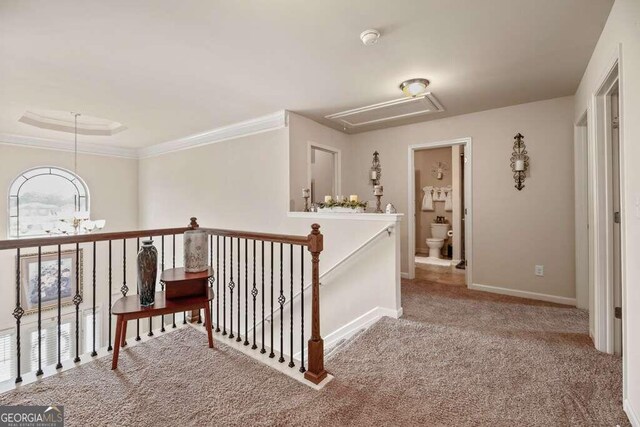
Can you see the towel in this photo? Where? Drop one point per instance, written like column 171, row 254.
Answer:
column 448, row 201
column 427, row 201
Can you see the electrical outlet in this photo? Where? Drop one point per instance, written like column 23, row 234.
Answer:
column 539, row 270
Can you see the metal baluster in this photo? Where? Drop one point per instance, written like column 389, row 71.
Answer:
column 162, row 329
column 124, row 289
column 39, row 371
column 173, row 265
column 254, row 294
column 184, row 313
column 262, row 350
column 246, row 293
column 109, row 348
column 281, row 301
column 231, row 285
column 272, row 354
column 94, row 353
column 218, row 283
column 211, row 280
column 224, row 285
column 238, row 339
column 138, row 292
column 77, row 299
column 302, row 343
column 18, row 312
column 150, row 333
column 291, row 364
column 59, row 329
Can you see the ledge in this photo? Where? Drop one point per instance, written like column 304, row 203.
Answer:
column 355, row 216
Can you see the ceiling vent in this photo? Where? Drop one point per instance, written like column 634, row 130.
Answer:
column 401, row 108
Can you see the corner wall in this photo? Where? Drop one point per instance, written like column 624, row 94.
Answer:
column 303, row 131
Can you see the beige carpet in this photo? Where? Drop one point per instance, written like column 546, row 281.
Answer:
column 459, row 358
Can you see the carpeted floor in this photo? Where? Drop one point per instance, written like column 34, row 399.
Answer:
column 458, row 358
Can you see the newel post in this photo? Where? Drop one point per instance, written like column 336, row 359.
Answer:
column 315, row 372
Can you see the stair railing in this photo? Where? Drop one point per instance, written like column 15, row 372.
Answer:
column 65, row 262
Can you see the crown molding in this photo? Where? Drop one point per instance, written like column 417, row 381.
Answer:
column 270, row 122
column 248, row 127
column 59, row 145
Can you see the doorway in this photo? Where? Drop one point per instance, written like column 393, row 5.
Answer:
column 323, row 173
column 439, row 226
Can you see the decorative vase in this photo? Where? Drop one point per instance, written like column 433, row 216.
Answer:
column 196, row 251
column 147, row 272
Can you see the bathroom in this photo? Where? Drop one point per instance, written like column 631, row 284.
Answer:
column 439, row 214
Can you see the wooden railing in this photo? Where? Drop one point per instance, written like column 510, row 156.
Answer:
column 240, row 258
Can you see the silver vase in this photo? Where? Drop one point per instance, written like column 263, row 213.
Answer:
column 196, row 251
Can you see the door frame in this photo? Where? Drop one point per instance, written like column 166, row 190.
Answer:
column 468, row 201
column 583, row 216
column 601, row 180
column 337, row 165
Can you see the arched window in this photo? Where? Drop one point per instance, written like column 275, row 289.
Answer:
column 40, row 198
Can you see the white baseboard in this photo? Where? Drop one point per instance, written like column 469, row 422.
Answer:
column 633, row 416
column 404, row 275
column 359, row 323
column 524, row 294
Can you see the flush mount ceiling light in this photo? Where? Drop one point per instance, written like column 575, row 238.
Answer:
column 370, row 37
column 414, row 87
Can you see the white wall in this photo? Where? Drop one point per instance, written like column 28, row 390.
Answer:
column 512, row 230
column 622, row 31
column 221, row 186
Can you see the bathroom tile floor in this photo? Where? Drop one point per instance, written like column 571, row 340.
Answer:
column 442, row 275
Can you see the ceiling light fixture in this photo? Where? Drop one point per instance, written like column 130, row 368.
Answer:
column 414, row 87
column 369, row 37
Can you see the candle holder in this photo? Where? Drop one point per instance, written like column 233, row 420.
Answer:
column 379, row 203
column 376, row 169
column 519, row 161
column 306, row 193
column 377, row 191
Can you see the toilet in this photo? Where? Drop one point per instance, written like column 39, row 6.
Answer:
column 438, row 237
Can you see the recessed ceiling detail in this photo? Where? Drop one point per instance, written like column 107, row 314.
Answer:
column 63, row 121
column 387, row 111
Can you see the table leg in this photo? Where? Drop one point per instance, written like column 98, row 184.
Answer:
column 124, row 333
column 116, row 348
column 208, row 323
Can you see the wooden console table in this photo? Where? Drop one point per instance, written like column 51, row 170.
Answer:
column 129, row 308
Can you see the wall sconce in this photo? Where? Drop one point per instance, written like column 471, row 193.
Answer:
column 519, row 161
column 376, row 170
column 438, row 170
